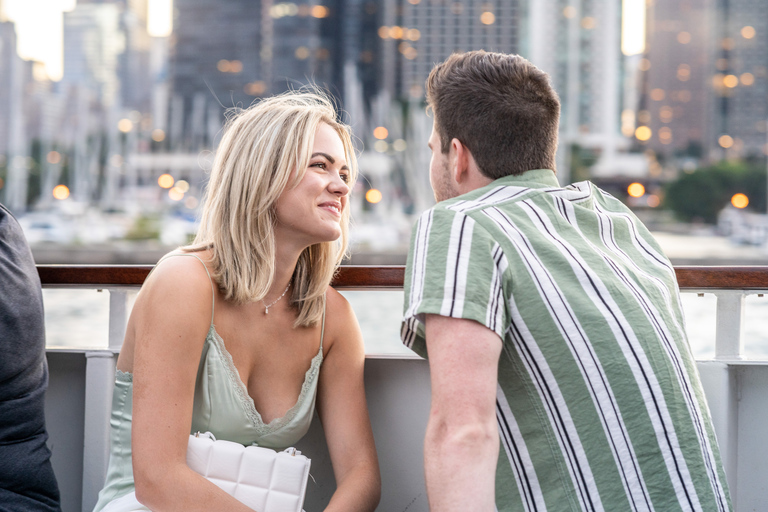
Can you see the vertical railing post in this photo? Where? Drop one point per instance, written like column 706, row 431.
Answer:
column 729, row 343
column 99, row 383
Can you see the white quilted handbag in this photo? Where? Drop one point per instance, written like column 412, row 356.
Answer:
column 261, row 478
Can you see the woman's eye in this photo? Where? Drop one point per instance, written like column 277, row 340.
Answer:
column 344, row 177
column 319, row 165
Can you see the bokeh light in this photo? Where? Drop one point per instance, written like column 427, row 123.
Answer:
column 636, row 190
column 60, row 192
column 373, row 196
column 739, row 200
column 165, row 180
column 643, row 133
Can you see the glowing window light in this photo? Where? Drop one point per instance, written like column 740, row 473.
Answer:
column 53, row 157
column 165, row 181
column 487, row 18
column 320, row 11
column 588, row 23
column 730, row 81
column 183, row 186
column 373, row 196
column 380, row 132
column 653, row 200
column 175, row 194
column 748, row 32
column 636, row 190
column 60, row 192
column 158, row 135
column 643, row 133
column 747, row 79
column 125, row 125
column 739, row 200
column 725, row 141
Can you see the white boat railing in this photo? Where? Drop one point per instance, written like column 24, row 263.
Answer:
column 398, row 392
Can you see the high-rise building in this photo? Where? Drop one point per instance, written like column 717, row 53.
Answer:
column 227, row 54
column 677, row 101
column 579, row 45
column 706, row 82
column 93, row 45
column 13, row 140
column 740, row 80
column 428, row 32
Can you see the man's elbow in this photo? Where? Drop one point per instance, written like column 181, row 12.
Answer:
column 456, row 435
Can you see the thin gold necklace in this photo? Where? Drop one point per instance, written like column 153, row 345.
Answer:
column 267, row 306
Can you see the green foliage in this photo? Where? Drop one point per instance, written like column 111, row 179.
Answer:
column 582, row 159
column 702, row 194
column 144, row 228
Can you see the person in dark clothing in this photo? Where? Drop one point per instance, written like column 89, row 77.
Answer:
column 27, row 481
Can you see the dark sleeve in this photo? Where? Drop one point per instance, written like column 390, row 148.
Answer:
column 27, row 481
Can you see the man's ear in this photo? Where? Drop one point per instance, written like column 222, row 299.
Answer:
column 461, row 158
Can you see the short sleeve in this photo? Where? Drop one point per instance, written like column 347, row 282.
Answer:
column 455, row 269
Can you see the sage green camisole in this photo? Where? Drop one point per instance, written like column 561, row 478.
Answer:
column 221, row 406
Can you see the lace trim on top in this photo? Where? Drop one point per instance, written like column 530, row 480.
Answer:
column 242, row 391
column 123, row 376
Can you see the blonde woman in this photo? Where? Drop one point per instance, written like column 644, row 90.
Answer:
column 240, row 334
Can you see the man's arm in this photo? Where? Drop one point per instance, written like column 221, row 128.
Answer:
column 462, row 442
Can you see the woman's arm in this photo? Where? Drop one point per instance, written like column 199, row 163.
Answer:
column 344, row 413
column 169, row 324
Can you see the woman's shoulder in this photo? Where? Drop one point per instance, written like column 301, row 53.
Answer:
column 181, row 274
column 340, row 319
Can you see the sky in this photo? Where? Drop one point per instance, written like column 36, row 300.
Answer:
column 39, row 27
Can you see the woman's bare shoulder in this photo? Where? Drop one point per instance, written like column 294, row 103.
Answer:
column 179, row 280
column 340, row 320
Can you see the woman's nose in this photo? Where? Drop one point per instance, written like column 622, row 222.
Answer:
column 339, row 186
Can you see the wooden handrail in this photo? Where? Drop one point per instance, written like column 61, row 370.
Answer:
column 351, row 277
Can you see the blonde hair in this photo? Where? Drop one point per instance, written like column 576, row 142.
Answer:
column 261, row 147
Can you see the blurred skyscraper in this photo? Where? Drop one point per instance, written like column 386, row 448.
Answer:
column 706, row 79
column 428, row 32
column 93, row 43
column 14, row 75
column 740, row 79
column 678, row 104
column 227, row 54
column 579, row 45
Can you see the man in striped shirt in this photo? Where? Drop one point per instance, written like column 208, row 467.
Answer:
column 561, row 373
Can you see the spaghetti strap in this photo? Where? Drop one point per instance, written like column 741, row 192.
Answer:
column 213, row 290
column 322, row 329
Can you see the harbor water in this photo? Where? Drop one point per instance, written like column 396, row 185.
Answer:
column 80, row 318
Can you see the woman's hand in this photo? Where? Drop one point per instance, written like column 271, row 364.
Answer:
column 165, row 337
column 344, row 413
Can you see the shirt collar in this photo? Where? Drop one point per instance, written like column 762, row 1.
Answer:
column 535, row 178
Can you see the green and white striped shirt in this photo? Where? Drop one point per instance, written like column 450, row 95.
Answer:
column 599, row 404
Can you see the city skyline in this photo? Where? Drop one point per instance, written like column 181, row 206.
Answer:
column 40, row 24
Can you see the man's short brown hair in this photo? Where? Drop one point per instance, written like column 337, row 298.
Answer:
column 501, row 107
